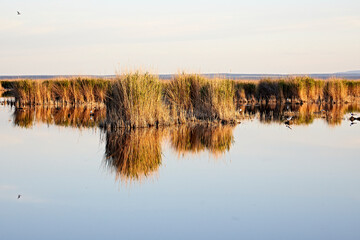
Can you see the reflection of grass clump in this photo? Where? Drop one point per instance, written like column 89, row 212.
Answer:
column 197, row 138
column 24, row 117
column 67, row 117
column 133, row 154
column 304, row 114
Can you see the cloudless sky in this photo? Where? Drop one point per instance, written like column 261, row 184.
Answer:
column 102, row 37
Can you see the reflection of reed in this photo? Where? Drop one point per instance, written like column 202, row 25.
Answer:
column 196, row 138
column 6, row 98
column 66, row 117
column 24, row 118
column 335, row 113
column 133, row 154
column 304, row 114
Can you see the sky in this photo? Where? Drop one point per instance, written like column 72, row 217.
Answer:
column 107, row 37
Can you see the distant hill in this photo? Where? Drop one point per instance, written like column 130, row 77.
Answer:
column 351, row 72
column 347, row 75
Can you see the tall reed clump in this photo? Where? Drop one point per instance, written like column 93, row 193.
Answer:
column 307, row 89
column 353, row 89
column 292, row 88
column 135, row 100
column 194, row 97
column 60, row 91
column 245, row 91
column 268, row 89
column 335, row 91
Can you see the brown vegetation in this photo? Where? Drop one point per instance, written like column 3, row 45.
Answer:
column 194, row 97
column 135, row 100
column 60, row 92
column 141, row 100
column 298, row 89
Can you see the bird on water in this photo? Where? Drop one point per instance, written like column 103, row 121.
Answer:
column 354, row 117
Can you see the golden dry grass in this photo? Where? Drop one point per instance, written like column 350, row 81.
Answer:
column 195, row 97
column 60, row 91
column 135, row 101
column 299, row 89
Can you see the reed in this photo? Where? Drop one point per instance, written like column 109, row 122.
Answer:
column 193, row 97
column 60, row 91
column 7, row 84
column 140, row 100
column 335, row 90
column 299, row 89
column 135, row 100
column 245, row 91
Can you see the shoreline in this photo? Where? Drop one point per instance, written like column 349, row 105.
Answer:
column 140, row 100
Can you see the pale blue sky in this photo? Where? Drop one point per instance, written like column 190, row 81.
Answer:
column 101, row 37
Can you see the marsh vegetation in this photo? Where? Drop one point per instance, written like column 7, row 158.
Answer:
column 138, row 100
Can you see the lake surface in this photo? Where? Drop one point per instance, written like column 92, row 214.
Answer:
column 260, row 179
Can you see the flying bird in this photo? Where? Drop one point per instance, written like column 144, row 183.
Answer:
column 19, row 196
column 18, row 13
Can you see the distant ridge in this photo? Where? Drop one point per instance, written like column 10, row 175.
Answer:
column 351, row 72
column 347, row 75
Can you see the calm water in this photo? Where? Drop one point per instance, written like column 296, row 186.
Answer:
column 256, row 180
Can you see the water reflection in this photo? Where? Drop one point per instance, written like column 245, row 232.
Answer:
column 133, row 155
column 78, row 117
column 216, row 139
column 137, row 154
column 305, row 114
column 86, row 116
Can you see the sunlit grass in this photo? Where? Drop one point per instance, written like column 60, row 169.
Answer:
column 137, row 100
column 60, row 91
